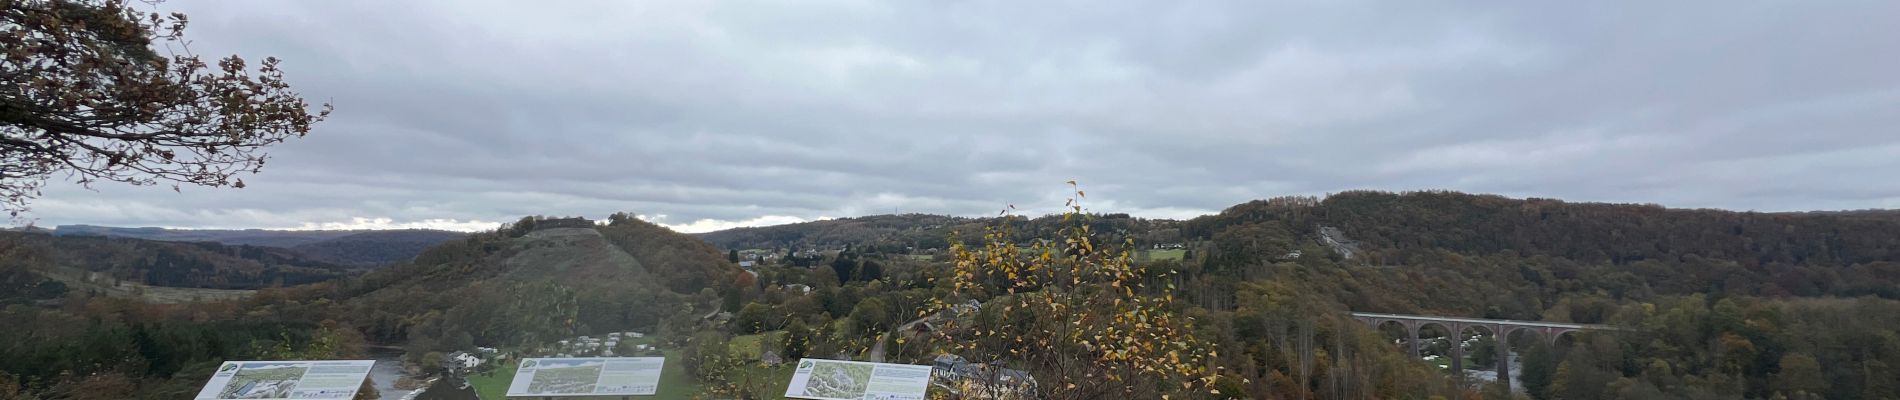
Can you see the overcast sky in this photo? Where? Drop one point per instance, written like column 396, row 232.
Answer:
column 463, row 114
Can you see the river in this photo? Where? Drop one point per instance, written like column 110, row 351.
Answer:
column 387, row 371
column 1491, row 375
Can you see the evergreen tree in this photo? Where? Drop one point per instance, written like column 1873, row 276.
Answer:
column 870, row 271
column 845, row 268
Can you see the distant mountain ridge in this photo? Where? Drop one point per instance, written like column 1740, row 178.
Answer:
column 355, row 248
column 254, row 237
column 375, row 248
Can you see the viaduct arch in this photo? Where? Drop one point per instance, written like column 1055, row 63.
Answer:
column 1500, row 329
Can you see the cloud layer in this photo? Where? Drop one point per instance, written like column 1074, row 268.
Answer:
column 709, row 115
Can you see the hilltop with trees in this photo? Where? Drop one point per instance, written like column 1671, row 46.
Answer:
column 530, row 282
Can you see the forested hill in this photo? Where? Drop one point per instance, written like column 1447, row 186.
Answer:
column 107, row 260
column 923, row 229
column 1494, row 246
column 534, row 280
column 1399, row 224
column 355, row 248
column 917, row 232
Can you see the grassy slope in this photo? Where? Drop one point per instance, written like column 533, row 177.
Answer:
column 1160, row 255
column 495, row 386
column 75, row 279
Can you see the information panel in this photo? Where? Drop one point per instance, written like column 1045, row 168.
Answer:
column 852, row 380
column 625, row 376
column 286, row 380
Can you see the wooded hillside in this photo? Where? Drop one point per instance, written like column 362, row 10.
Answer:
column 174, row 264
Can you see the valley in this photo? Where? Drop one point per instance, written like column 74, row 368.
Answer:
column 1260, row 287
column 885, row 200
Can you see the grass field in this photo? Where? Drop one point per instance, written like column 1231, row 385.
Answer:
column 769, row 382
column 1160, row 255
column 674, row 384
column 156, row 294
column 494, row 386
column 750, row 346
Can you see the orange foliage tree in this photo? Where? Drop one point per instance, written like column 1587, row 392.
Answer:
column 1084, row 320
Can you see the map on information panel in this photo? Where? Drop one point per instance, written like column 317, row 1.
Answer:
column 852, row 380
column 625, row 376
column 286, row 380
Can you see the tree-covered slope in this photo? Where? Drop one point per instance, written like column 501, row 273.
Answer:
column 1399, row 224
column 527, row 284
column 1716, row 304
column 354, row 248
column 158, row 263
column 1616, row 249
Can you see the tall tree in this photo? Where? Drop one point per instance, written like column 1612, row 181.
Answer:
column 870, row 271
column 1076, row 315
column 86, row 92
column 845, row 268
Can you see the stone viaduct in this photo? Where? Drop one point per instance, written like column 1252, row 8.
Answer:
column 1501, row 329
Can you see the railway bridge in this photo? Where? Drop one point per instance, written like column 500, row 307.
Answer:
column 1501, row 329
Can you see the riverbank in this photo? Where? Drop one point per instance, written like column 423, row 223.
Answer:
column 389, row 376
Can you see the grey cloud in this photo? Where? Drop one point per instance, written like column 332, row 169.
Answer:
column 491, row 110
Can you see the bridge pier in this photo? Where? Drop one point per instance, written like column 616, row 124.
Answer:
column 1411, row 331
column 1458, row 351
column 1503, row 344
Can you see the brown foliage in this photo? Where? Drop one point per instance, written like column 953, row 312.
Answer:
column 1077, row 316
column 89, row 96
